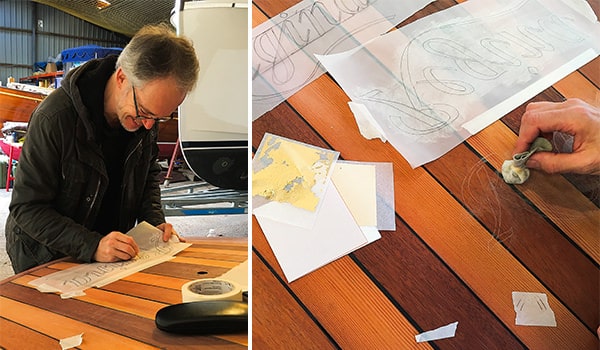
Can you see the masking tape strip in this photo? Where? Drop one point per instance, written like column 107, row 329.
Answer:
column 210, row 289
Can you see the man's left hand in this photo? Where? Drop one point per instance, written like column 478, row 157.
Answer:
column 168, row 231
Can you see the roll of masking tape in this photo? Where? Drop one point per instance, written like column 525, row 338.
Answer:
column 210, row 289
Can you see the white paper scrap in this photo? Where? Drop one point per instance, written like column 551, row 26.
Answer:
column 238, row 274
column 533, row 309
column 443, row 332
column 71, row 342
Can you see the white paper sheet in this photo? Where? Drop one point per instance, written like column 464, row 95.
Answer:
column 356, row 183
column 73, row 281
column 384, row 189
column 283, row 47
column 533, row 309
column 423, row 82
column 300, row 250
column 238, row 274
column 443, row 332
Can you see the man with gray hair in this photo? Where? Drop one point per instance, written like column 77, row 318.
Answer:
column 88, row 170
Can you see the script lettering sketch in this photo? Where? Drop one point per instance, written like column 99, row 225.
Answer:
column 152, row 251
column 460, row 69
column 423, row 82
column 275, row 46
column 283, row 48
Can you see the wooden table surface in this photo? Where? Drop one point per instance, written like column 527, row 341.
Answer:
column 119, row 315
column 465, row 240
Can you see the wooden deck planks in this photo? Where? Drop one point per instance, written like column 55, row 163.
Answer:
column 296, row 329
column 122, row 311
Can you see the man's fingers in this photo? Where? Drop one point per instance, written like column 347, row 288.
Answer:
column 554, row 163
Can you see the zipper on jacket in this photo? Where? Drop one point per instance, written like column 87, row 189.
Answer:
column 87, row 216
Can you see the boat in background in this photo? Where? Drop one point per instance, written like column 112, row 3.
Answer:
column 213, row 119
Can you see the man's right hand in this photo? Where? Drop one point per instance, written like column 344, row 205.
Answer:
column 116, row 246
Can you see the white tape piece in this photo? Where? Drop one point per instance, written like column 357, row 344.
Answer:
column 447, row 331
column 71, row 342
column 368, row 127
column 210, row 289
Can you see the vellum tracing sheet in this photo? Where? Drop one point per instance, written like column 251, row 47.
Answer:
column 435, row 82
column 73, row 281
column 283, row 47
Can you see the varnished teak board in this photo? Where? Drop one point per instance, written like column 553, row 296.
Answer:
column 464, row 240
column 121, row 314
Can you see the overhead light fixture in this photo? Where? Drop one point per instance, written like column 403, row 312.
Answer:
column 102, row 4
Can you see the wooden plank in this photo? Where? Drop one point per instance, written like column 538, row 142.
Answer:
column 345, row 295
column 115, row 301
column 148, row 292
column 242, row 252
column 592, row 72
column 117, row 322
column 207, row 262
column 12, row 333
column 521, row 229
column 575, row 85
column 557, row 198
column 186, row 271
column 292, row 328
column 156, row 280
column 235, row 257
column 45, row 322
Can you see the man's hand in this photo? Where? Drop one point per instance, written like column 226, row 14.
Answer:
column 573, row 117
column 168, row 230
column 116, row 246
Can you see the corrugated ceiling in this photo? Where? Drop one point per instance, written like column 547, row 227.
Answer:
column 122, row 16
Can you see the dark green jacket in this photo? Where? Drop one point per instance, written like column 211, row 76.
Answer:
column 62, row 178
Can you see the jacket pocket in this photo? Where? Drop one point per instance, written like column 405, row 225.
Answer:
column 78, row 191
column 24, row 251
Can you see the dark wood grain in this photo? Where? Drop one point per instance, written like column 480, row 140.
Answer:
column 293, row 324
column 17, row 105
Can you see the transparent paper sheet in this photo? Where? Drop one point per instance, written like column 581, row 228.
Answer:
column 289, row 179
column 283, row 47
column 427, row 83
column 73, row 281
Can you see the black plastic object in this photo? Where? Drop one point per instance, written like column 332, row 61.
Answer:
column 204, row 317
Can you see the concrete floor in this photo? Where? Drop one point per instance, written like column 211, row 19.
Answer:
column 235, row 225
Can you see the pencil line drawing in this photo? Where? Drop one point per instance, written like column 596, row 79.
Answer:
column 423, row 82
column 461, row 68
column 80, row 277
column 283, row 49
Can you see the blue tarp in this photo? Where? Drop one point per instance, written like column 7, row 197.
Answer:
column 87, row 52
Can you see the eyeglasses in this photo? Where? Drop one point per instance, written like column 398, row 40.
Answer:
column 156, row 119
